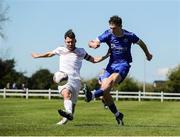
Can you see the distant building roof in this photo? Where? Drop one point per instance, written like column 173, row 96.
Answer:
column 158, row 83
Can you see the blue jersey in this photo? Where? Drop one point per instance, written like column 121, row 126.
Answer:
column 120, row 46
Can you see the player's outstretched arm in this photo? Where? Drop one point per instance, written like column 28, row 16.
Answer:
column 145, row 49
column 94, row 44
column 99, row 59
column 42, row 55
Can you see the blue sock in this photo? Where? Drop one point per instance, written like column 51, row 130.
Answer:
column 98, row 93
column 113, row 108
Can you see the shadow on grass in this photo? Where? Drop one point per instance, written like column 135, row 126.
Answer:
column 154, row 126
column 88, row 125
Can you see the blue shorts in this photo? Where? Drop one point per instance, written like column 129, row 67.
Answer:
column 121, row 68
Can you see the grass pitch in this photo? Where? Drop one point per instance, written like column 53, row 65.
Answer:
column 21, row 117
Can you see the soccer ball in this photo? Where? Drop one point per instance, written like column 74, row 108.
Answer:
column 60, row 77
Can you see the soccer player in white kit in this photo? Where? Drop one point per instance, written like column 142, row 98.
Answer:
column 70, row 63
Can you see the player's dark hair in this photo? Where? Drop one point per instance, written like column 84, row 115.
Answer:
column 69, row 34
column 115, row 20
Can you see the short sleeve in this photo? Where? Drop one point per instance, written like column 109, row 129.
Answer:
column 104, row 37
column 134, row 38
column 58, row 51
column 82, row 52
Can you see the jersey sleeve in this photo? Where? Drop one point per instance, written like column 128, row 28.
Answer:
column 134, row 38
column 58, row 51
column 85, row 55
column 104, row 37
column 82, row 53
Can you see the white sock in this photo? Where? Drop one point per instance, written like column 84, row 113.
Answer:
column 93, row 94
column 68, row 105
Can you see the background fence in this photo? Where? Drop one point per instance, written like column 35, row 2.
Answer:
column 27, row 93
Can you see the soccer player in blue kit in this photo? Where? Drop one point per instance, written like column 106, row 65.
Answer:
column 119, row 41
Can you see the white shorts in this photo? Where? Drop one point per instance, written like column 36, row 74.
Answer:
column 74, row 85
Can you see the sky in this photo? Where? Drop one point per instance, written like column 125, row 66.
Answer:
column 39, row 26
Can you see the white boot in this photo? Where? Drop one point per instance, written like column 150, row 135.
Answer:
column 63, row 121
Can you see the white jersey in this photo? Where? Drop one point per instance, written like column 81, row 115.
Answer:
column 70, row 62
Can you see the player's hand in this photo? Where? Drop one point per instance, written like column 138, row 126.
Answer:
column 93, row 44
column 149, row 57
column 34, row 55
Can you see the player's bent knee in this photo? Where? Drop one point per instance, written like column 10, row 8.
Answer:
column 115, row 77
column 66, row 94
column 107, row 84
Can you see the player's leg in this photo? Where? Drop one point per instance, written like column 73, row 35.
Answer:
column 104, row 103
column 68, row 105
column 67, row 113
column 90, row 95
column 64, row 120
column 112, row 107
column 67, row 94
column 70, row 94
column 121, row 70
column 107, row 85
column 69, row 91
column 108, row 79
